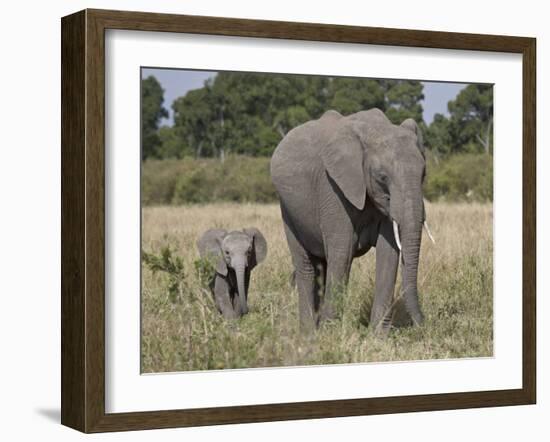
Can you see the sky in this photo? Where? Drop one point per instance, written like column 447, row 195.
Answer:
column 176, row 82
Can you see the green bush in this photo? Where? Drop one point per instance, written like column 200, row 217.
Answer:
column 159, row 178
column 245, row 179
column 170, row 264
column 463, row 177
column 237, row 179
column 195, row 186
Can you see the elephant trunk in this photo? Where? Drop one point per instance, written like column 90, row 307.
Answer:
column 240, row 269
column 411, row 235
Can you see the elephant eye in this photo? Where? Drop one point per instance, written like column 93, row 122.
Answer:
column 227, row 252
column 383, row 183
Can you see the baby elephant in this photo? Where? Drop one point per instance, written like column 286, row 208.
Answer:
column 235, row 254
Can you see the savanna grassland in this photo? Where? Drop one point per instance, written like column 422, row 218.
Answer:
column 182, row 330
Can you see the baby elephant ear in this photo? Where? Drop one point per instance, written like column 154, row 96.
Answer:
column 209, row 245
column 260, row 245
column 411, row 125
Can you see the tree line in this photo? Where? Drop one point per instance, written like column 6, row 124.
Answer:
column 249, row 113
column 224, row 133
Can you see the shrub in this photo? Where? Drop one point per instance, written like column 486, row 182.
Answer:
column 205, row 270
column 159, row 178
column 195, row 186
column 170, row 264
column 464, row 177
column 245, row 179
column 237, row 179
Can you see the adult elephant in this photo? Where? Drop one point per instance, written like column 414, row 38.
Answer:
column 347, row 184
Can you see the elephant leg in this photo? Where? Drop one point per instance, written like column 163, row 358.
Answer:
column 222, row 298
column 387, row 262
column 320, row 285
column 305, row 276
column 337, row 274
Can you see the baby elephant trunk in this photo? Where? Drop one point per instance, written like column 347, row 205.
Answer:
column 240, row 270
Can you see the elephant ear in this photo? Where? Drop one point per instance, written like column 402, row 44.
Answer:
column 209, row 245
column 342, row 158
column 411, row 125
column 259, row 245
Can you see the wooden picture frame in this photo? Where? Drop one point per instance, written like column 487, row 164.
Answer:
column 83, row 220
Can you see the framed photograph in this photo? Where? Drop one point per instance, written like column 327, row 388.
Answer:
column 269, row 220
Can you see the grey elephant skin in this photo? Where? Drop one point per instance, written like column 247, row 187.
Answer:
column 235, row 255
column 347, row 184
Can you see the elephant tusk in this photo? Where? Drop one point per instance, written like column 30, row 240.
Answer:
column 428, row 231
column 396, row 234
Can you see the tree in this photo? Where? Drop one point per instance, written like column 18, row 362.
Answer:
column 469, row 127
column 240, row 112
column 403, row 100
column 171, row 145
column 350, row 95
column 152, row 97
column 249, row 113
column 472, row 118
column 192, row 118
column 438, row 137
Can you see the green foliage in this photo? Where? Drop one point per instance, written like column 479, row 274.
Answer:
column 159, row 178
column 170, row 264
column 468, row 129
column 464, row 177
column 152, row 97
column 237, row 116
column 350, row 95
column 197, row 186
column 249, row 113
column 403, row 100
column 205, row 270
column 438, row 138
column 170, row 145
column 238, row 179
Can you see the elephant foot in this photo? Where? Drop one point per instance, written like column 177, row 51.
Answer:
column 307, row 329
column 381, row 326
column 417, row 319
column 292, row 280
column 231, row 316
column 309, row 321
column 327, row 317
column 328, row 313
column 382, row 332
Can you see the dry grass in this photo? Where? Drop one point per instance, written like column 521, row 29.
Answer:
column 455, row 285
